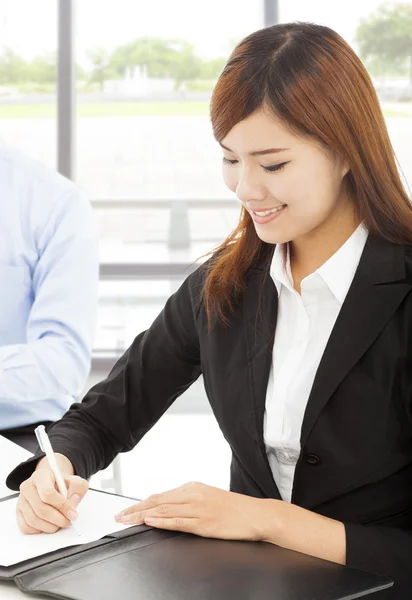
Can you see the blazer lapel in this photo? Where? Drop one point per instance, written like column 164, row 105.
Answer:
column 260, row 312
column 376, row 292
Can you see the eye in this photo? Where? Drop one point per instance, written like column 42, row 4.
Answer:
column 274, row 168
column 269, row 169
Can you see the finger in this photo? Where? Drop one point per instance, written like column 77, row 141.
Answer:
column 22, row 525
column 45, row 512
column 44, row 482
column 77, row 489
column 33, row 520
column 175, row 496
column 188, row 525
column 162, row 510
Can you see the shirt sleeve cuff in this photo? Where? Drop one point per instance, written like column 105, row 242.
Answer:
column 23, row 471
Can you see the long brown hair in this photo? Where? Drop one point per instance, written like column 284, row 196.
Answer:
column 317, row 86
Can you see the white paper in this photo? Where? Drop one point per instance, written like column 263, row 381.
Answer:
column 95, row 520
column 11, row 455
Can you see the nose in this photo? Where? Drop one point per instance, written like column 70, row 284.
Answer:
column 249, row 188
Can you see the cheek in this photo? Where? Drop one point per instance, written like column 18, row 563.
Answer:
column 309, row 194
column 230, row 178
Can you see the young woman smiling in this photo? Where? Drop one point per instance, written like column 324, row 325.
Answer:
column 300, row 322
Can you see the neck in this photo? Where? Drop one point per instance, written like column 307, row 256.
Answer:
column 311, row 251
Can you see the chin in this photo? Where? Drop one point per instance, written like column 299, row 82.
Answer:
column 274, row 238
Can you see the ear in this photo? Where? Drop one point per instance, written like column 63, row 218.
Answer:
column 345, row 168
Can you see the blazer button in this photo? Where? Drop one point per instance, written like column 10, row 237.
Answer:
column 312, row 459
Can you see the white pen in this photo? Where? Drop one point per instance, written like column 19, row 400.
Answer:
column 46, row 447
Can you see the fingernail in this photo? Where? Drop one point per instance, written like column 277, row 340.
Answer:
column 75, row 500
column 72, row 515
column 127, row 519
column 119, row 516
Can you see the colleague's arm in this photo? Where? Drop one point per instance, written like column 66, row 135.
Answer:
column 159, row 366
column 40, row 379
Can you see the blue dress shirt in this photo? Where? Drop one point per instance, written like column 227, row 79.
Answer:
column 48, row 290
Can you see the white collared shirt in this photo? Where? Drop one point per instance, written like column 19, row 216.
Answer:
column 304, row 324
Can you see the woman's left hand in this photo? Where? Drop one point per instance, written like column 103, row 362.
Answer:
column 205, row 511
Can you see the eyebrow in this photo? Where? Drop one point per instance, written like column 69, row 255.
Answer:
column 259, row 152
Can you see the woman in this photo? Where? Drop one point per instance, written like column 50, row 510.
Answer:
column 299, row 322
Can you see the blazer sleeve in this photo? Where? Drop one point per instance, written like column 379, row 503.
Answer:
column 383, row 550
column 115, row 414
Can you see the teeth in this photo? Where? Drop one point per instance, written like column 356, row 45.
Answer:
column 268, row 212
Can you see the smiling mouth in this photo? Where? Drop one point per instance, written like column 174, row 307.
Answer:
column 265, row 213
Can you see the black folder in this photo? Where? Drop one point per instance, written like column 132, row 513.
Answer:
column 142, row 563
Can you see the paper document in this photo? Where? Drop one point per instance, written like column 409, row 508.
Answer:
column 11, row 455
column 96, row 519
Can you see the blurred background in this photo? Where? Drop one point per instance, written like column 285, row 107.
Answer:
column 114, row 94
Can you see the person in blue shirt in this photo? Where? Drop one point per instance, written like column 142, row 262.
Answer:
column 48, row 291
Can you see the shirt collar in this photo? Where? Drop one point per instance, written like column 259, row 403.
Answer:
column 337, row 272
column 280, row 268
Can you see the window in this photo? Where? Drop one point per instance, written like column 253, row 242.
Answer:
column 389, row 68
column 144, row 145
column 28, row 74
column 143, row 128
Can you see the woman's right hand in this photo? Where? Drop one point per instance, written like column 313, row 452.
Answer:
column 41, row 507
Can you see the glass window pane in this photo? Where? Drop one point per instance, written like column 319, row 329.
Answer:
column 125, row 309
column 28, row 74
column 391, row 76
column 150, row 234
column 143, row 126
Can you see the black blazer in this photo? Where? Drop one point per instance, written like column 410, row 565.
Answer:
column 356, row 440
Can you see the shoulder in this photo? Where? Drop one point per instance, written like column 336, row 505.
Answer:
column 195, row 282
column 32, row 186
column 191, row 292
column 260, row 264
